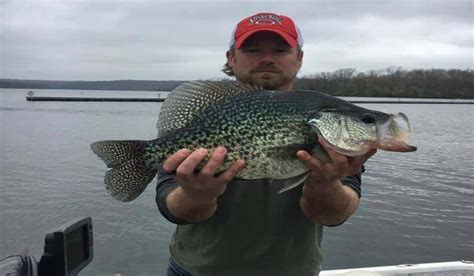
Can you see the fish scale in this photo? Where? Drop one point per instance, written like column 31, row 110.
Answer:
column 258, row 122
column 251, row 136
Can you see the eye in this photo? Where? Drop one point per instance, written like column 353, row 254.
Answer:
column 282, row 50
column 367, row 118
column 250, row 50
column 316, row 116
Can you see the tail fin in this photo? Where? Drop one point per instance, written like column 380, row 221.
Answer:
column 128, row 174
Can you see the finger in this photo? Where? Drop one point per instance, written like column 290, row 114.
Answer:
column 308, row 160
column 357, row 160
column 231, row 172
column 361, row 159
column 171, row 163
column 189, row 165
column 214, row 162
column 355, row 167
column 370, row 153
column 335, row 156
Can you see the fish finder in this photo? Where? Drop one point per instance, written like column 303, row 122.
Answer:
column 68, row 249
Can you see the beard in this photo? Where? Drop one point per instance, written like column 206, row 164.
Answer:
column 269, row 78
column 271, row 82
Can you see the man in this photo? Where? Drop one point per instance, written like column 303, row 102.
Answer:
column 228, row 226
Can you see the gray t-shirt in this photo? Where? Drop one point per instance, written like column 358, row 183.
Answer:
column 255, row 231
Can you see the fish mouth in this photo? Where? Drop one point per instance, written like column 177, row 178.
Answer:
column 391, row 135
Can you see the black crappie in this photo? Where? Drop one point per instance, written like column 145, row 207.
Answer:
column 264, row 128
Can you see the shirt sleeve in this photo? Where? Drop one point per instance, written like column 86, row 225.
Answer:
column 164, row 187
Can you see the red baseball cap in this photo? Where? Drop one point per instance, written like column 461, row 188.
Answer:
column 279, row 24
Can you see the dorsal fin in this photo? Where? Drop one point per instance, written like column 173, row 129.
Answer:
column 191, row 97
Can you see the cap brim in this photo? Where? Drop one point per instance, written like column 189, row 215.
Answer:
column 290, row 40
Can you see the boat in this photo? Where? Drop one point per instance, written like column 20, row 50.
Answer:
column 454, row 268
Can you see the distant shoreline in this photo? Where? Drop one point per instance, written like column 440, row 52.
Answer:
column 416, row 84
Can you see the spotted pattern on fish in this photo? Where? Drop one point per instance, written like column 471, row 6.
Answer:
column 264, row 128
column 184, row 102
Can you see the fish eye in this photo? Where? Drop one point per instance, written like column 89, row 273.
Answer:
column 367, row 118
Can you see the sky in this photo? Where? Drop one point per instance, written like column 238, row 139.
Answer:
column 187, row 40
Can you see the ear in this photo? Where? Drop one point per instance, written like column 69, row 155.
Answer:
column 300, row 57
column 230, row 57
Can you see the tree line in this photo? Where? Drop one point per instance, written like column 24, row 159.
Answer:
column 393, row 82
column 389, row 82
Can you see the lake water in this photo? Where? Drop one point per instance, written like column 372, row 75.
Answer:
column 416, row 207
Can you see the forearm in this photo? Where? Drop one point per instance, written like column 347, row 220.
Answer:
column 190, row 208
column 329, row 204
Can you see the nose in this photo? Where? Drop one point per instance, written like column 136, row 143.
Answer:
column 267, row 57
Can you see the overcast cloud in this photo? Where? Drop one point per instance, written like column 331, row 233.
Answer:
column 180, row 40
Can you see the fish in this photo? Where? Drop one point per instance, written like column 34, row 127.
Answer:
column 263, row 127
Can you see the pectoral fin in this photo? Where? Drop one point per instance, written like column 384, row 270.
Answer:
column 293, row 182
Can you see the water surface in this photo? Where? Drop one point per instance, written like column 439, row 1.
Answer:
column 416, row 207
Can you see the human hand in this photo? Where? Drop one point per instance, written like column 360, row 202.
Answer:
column 204, row 185
column 324, row 198
column 340, row 165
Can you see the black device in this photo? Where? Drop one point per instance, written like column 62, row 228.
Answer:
column 68, row 249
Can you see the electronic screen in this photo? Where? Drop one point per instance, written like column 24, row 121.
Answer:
column 76, row 247
column 68, row 249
